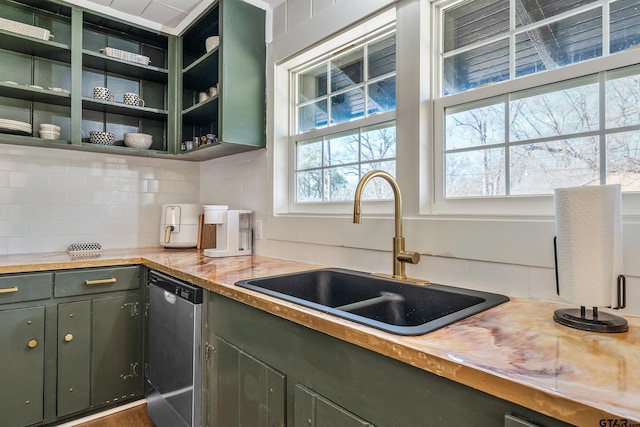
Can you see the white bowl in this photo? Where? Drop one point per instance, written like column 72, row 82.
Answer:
column 138, row 140
column 102, row 138
column 50, row 127
column 211, row 43
column 49, row 134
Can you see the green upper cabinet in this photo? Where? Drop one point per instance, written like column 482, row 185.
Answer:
column 117, row 59
column 51, row 80
column 223, row 84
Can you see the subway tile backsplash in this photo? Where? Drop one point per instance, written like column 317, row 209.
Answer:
column 52, row 198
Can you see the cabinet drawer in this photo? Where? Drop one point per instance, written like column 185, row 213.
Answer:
column 96, row 280
column 25, row 287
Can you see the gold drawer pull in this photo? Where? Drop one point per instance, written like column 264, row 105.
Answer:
column 100, row 281
column 68, row 337
column 9, row 290
column 32, row 344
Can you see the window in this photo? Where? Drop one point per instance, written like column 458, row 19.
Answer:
column 550, row 122
column 344, row 119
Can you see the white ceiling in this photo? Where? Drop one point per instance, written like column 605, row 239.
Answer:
column 169, row 16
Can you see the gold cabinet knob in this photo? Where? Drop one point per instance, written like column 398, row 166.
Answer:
column 68, row 337
column 32, row 344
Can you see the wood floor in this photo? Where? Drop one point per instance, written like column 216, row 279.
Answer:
column 133, row 417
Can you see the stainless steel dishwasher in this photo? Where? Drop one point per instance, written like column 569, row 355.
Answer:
column 174, row 366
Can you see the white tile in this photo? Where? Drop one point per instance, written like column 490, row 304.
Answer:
column 543, row 284
column 506, row 279
column 446, row 271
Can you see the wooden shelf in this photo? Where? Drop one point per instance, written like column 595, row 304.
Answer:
column 34, row 94
column 201, row 113
column 123, row 109
column 36, row 47
column 109, row 64
column 203, row 73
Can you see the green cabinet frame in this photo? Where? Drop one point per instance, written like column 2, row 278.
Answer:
column 331, row 381
column 236, row 115
column 22, row 366
column 66, row 355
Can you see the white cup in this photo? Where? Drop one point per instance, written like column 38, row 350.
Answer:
column 213, row 91
column 103, row 93
column 131, row 98
column 203, row 96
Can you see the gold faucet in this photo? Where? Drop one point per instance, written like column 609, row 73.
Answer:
column 400, row 255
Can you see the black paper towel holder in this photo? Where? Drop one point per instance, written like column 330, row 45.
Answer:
column 595, row 321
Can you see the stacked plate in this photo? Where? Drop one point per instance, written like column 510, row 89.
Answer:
column 15, row 127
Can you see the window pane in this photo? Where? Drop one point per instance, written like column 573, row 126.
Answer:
column 533, row 11
column 379, row 189
column 347, row 70
column 340, row 183
column 475, row 173
column 474, row 21
column 379, row 142
column 309, row 186
column 561, row 112
column 347, row 106
column 342, row 148
column 623, row 100
column 312, row 84
column 312, row 116
column 623, row 160
column 476, row 67
column 382, row 57
column 625, row 15
column 560, row 43
column 475, row 127
column 382, row 96
column 309, row 154
column 539, row 168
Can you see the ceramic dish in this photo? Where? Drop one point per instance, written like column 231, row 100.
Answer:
column 101, row 138
column 49, row 134
column 49, row 127
column 138, row 140
column 15, row 127
column 58, row 89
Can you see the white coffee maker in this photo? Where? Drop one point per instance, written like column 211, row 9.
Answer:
column 233, row 231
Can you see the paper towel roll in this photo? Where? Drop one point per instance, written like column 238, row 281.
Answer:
column 589, row 243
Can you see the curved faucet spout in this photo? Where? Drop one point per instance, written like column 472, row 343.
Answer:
column 400, row 256
column 357, row 204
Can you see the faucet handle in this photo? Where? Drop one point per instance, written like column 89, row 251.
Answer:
column 409, row 256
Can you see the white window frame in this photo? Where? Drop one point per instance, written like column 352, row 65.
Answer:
column 519, row 206
column 284, row 183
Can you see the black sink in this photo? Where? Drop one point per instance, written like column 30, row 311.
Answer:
column 390, row 305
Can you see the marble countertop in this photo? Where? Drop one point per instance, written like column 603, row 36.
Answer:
column 514, row 351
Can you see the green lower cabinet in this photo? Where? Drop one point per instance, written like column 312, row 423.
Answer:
column 116, row 352
column 244, row 391
column 313, row 410
column 22, row 366
column 332, row 383
column 74, row 361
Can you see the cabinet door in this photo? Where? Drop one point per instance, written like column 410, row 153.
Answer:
column 74, row 362
column 313, row 410
column 116, row 368
column 21, row 366
column 245, row 391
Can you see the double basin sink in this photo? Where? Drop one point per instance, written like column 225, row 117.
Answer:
column 390, row 305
